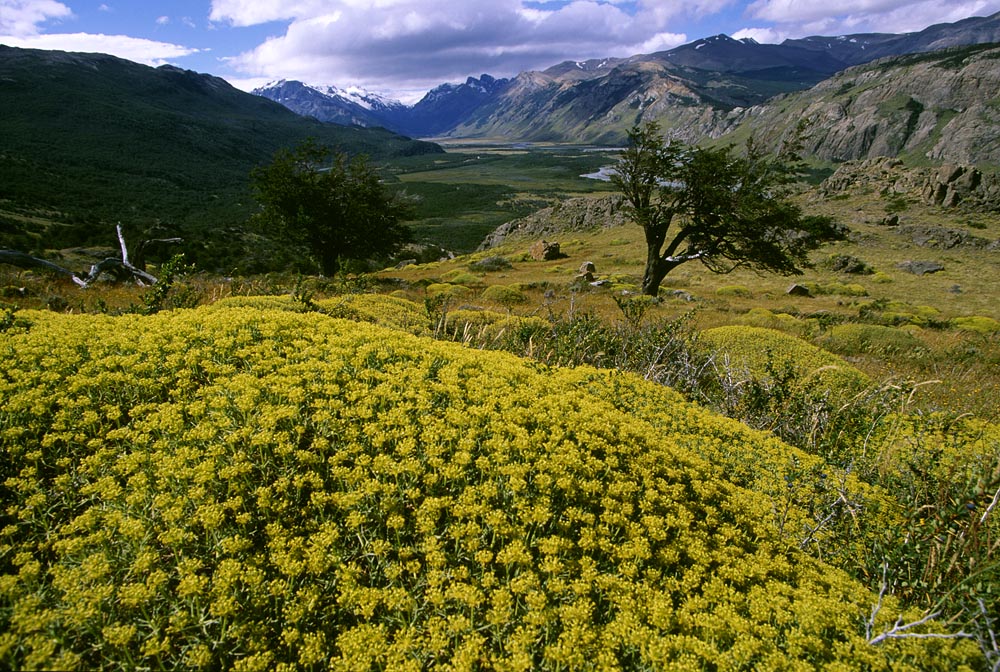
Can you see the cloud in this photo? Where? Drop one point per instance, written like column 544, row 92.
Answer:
column 139, row 50
column 762, row 35
column 22, row 17
column 163, row 21
column 799, row 18
column 420, row 43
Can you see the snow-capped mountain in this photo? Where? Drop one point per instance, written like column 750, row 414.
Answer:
column 350, row 107
column 441, row 109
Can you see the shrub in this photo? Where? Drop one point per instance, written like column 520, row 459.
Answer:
column 460, row 277
column 857, row 339
column 446, row 290
column 490, row 264
column 836, row 288
column 762, row 317
column 805, row 395
column 241, row 489
column 754, row 348
column 388, row 311
column 977, row 324
column 505, row 295
column 734, row 290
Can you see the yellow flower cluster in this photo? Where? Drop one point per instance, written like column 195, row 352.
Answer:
column 231, row 487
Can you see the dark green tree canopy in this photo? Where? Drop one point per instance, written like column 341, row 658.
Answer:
column 336, row 208
column 724, row 209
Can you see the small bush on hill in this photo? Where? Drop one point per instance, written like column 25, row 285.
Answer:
column 977, row 324
column 734, row 290
column 856, row 339
column 504, row 295
column 490, row 265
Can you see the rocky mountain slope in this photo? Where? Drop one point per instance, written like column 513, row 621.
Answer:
column 942, row 106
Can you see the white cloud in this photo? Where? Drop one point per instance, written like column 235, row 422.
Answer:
column 762, row 35
column 139, row 50
column 799, row 18
column 22, row 17
column 420, row 43
column 163, row 21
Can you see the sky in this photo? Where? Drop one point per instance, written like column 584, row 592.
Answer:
column 403, row 48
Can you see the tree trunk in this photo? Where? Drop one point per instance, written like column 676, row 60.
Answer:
column 656, row 270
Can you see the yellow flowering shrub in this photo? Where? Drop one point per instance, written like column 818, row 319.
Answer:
column 388, row 311
column 447, row 290
column 263, row 489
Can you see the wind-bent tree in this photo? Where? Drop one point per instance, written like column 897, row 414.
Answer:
column 723, row 209
column 337, row 209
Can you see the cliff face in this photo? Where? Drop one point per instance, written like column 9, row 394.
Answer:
column 942, row 106
column 948, row 185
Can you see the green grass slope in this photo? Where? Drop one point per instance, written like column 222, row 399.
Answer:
column 249, row 488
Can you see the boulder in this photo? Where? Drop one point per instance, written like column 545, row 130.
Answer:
column 920, row 267
column 543, row 250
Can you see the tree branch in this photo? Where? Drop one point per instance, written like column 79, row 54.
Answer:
column 121, row 269
column 901, row 630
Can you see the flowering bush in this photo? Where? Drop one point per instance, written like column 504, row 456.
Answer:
column 263, row 489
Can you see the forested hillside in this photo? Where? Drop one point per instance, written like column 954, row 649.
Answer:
column 88, row 140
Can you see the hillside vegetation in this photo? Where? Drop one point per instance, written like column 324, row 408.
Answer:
column 272, row 488
column 89, row 140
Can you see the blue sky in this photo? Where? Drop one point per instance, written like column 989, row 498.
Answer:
column 405, row 47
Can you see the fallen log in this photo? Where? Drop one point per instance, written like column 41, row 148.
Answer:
column 120, row 269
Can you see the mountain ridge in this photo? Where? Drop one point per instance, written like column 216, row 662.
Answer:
column 597, row 100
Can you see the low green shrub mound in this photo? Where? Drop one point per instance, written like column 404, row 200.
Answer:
column 446, row 291
column 762, row 317
column 977, row 324
column 856, row 339
column 460, row 277
column 246, row 489
column 763, row 352
column 734, row 290
column 504, row 295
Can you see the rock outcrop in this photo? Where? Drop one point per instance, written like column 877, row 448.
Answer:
column 574, row 214
column 948, row 186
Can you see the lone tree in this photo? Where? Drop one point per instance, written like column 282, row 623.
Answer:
column 723, row 209
column 338, row 209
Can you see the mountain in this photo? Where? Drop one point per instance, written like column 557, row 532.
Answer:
column 942, row 106
column 440, row 110
column 95, row 140
column 350, row 107
column 864, row 47
column 686, row 88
